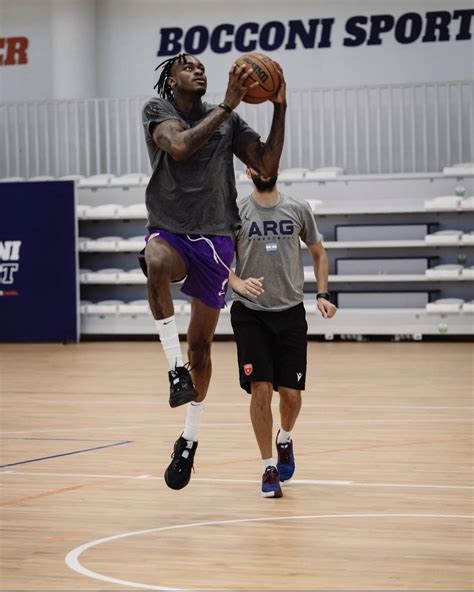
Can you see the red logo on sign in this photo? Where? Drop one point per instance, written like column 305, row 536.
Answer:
column 248, row 369
column 13, row 51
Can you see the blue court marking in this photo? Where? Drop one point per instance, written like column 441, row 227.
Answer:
column 24, row 462
column 63, row 439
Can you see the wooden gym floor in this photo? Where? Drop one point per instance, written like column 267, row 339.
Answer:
column 382, row 497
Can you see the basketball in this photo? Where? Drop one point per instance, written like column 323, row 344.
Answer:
column 265, row 72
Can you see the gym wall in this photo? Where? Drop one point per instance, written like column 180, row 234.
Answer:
column 53, row 49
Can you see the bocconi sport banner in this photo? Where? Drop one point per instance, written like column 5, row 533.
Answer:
column 411, row 27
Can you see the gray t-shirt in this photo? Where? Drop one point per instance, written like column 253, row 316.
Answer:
column 268, row 244
column 196, row 195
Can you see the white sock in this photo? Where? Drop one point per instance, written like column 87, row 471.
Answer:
column 169, row 338
column 283, row 437
column 268, row 462
column 193, row 420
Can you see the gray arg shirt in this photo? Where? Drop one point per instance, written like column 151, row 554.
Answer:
column 268, row 245
column 196, row 195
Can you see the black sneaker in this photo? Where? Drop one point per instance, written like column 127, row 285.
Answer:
column 181, row 386
column 178, row 473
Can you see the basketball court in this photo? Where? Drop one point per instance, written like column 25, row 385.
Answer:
column 381, row 499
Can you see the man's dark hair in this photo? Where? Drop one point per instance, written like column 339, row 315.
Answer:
column 162, row 87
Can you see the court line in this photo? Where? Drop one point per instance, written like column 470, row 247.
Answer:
column 64, row 439
column 244, row 481
column 72, row 558
column 28, row 498
column 246, row 423
column 211, row 404
column 32, row 460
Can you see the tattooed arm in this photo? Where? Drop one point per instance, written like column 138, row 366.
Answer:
column 265, row 157
column 181, row 142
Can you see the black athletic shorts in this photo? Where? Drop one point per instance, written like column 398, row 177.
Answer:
column 271, row 346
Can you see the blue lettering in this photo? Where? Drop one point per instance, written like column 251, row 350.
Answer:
column 307, row 38
column 401, row 33
column 169, row 45
column 380, row 23
column 196, row 40
column 437, row 21
column 354, row 28
column 465, row 24
column 326, row 33
column 273, row 29
column 216, row 38
column 241, row 43
column 273, row 35
column 283, row 227
column 254, row 230
column 286, row 227
column 270, row 226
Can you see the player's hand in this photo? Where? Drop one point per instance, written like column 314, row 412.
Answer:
column 236, row 88
column 326, row 308
column 250, row 288
column 280, row 97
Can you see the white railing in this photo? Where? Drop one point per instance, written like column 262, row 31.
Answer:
column 364, row 130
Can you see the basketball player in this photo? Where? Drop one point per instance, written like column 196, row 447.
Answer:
column 192, row 211
column 268, row 315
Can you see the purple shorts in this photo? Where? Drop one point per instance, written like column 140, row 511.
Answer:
column 207, row 259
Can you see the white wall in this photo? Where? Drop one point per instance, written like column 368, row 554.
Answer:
column 83, row 48
column 61, row 51
column 390, row 62
column 24, row 18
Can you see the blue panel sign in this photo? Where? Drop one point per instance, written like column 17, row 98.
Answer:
column 38, row 262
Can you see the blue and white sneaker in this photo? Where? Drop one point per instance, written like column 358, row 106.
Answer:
column 286, row 460
column 271, row 483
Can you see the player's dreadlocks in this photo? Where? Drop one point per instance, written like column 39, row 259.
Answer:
column 162, row 87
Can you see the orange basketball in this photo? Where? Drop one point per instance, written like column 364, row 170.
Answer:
column 265, row 72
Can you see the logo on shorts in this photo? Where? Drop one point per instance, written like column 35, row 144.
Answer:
column 223, row 289
column 299, row 376
column 248, row 369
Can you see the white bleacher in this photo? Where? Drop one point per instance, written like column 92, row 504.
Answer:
column 445, row 271
column 292, row 175
column 95, row 181
column 468, row 238
column 445, row 305
column 468, row 307
column 443, row 237
column 71, row 177
column 467, row 203
column 134, row 307
column 445, row 202
column 82, row 210
column 107, row 211
column 461, row 169
column 133, row 211
column 130, row 180
column 324, row 173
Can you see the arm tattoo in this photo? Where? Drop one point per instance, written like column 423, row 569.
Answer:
column 181, row 142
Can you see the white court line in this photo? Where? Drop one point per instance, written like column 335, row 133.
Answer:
column 72, row 558
column 210, row 404
column 244, row 423
column 223, row 480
